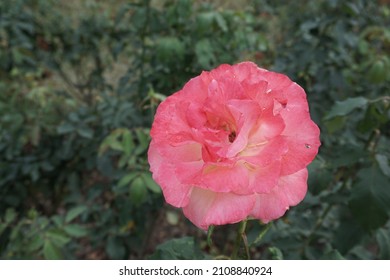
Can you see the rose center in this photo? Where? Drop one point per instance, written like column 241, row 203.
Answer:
column 232, row 136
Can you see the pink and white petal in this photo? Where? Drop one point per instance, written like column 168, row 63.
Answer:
column 303, row 139
column 249, row 72
column 292, row 92
column 290, row 99
column 269, row 207
column 221, row 71
column 175, row 193
column 188, row 173
column 231, row 88
column 264, row 179
column 276, row 81
column 265, row 153
column 294, row 186
column 299, row 124
column 208, row 208
column 250, row 113
column 154, row 157
column 170, row 119
column 196, row 116
column 215, row 107
column 225, row 178
column 299, row 155
column 290, row 191
column 266, row 127
column 256, row 90
column 196, row 88
column 184, row 152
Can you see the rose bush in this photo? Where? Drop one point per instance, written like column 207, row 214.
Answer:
column 234, row 143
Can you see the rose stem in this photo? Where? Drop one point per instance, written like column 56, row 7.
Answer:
column 240, row 235
column 209, row 233
column 262, row 233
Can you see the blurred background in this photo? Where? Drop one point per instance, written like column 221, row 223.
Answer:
column 79, row 85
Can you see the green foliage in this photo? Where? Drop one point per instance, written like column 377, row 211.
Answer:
column 338, row 51
column 178, row 249
column 80, row 83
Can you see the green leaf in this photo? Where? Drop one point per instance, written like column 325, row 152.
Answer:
column 221, row 22
column 51, row 251
column 125, row 180
column 183, row 248
column 343, row 240
column 335, row 124
column 36, row 243
column 137, row 191
column 276, row 253
column 57, row 237
column 143, row 140
column 112, row 142
column 205, row 21
column 127, row 143
column 204, row 53
column 75, row 230
column 115, row 248
column 343, row 108
column 383, row 164
column 75, row 212
column 65, row 128
column 58, row 220
column 10, row 215
column 360, row 252
column 2, row 228
column 383, row 239
column 169, row 49
column 370, row 199
column 150, row 183
column 332, row 255
column 85, row 132
column 377, row 73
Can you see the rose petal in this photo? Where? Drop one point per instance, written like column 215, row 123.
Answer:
column 185, row 152
column 303, row 141
column 290, row 191
column 248, row 72
column 264, row 179
column 225, row 178
column 175, row 193
column 299, row 155
column 208, row 208
column 250, row 112
column 276, row 81
column 170, row 120
column 265, row 153
column 266, row 127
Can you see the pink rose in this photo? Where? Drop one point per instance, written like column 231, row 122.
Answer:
column 234, row 143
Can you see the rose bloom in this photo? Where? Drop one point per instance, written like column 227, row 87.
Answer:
column 233, row 144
